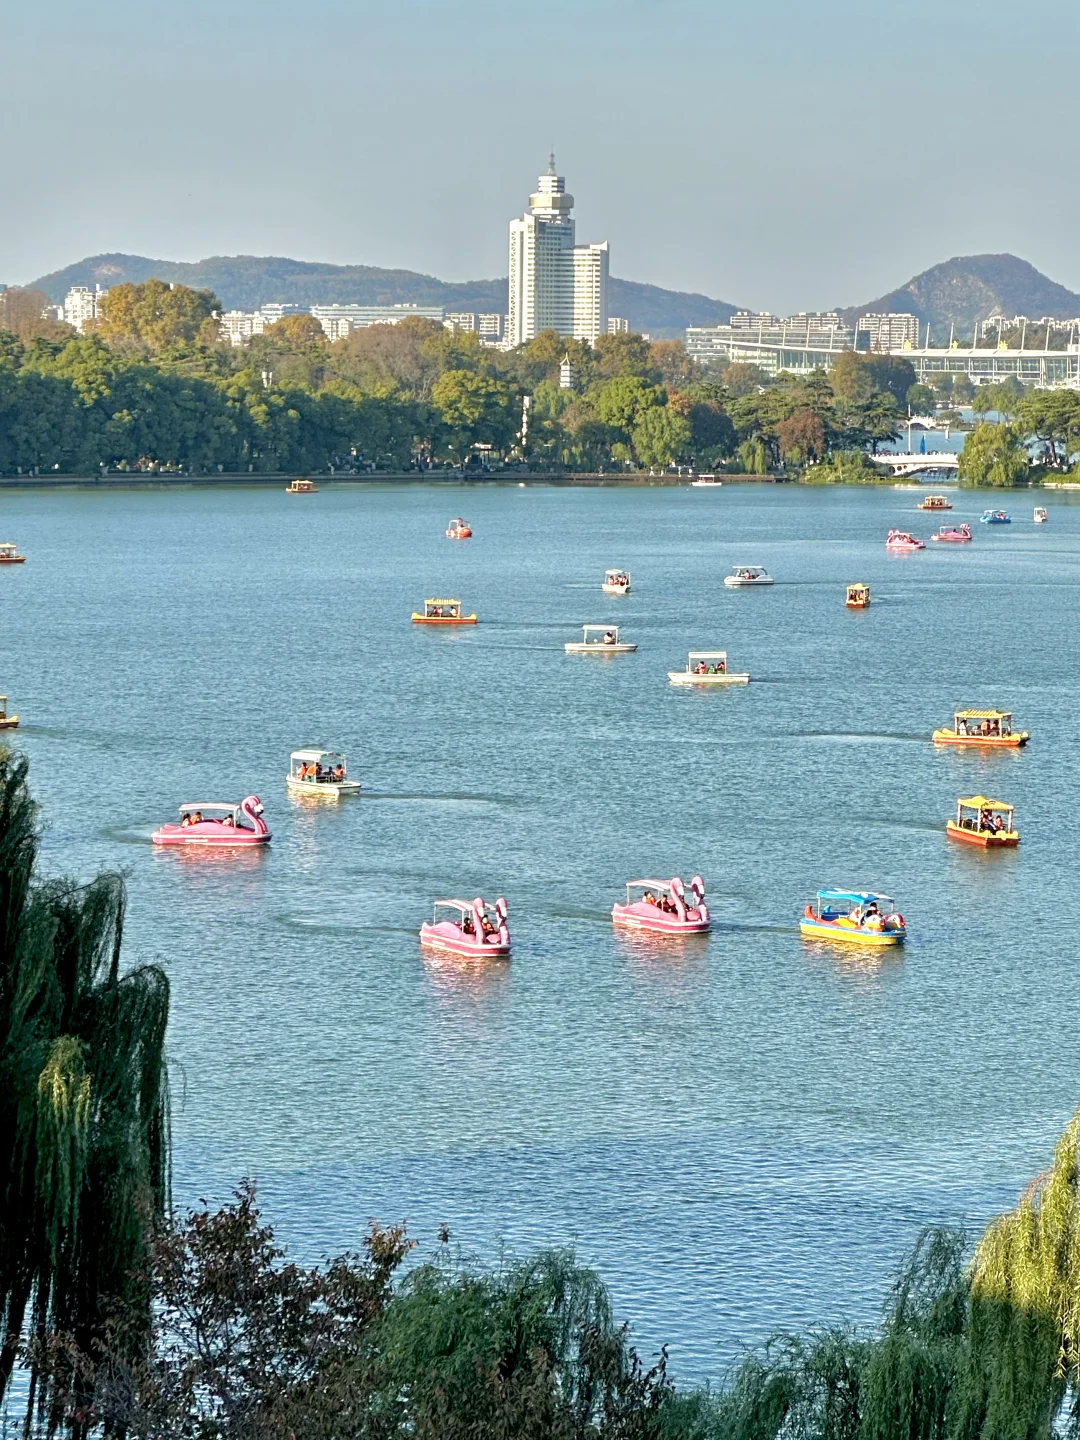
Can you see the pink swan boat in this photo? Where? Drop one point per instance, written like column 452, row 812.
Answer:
column 901, row 540
column 953, row 534
column 228, row 826
column 662, row 906
column 472, row 931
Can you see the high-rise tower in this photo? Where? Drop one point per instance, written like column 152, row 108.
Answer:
column 554, row 284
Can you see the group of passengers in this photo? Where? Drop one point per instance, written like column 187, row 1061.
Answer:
column 444, row 612
column 315, row 770
column 985, row 727
column 196, row 817
column 990, row 821
column 720, row 668
column 487, row 925
column 662, row 902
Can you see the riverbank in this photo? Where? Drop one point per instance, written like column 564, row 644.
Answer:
column 127, row 481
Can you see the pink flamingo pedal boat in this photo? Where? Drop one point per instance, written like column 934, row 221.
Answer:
column 231, row 827
column 901, row 540
column 953, row 534
column 473, row 930
column 661, row 905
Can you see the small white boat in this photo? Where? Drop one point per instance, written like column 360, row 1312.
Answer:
column 747, row 575
column 606, row 642
column 616, row 582
column 320, row 772
column 706, row 482
column 706, row 667
column 1040, row 516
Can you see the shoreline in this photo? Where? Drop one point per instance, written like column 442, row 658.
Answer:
column 413, row 477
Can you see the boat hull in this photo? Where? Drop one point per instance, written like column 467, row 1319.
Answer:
column 636, row 917
column 953, row 539
column 578, row 647
column 330, row 788
column 850, row 934
column 224, row 837
column 443, row 619
column 857, row 604
column 984, row 839
column 615, row 589
column 733, row 584
column 448, row 939
column 1008, row 742
column 682, row 677
column 9, row 722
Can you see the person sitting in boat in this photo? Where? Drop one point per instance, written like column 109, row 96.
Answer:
column 229, row 820
column 649, row 898
column 196, row 817
column 701, row 668
column 339, row 773
column 486, row 924
column 467, row 926
column 999, row 824
column 986, row 821
column 185, row 821
column 720, row 668
column 609, row 637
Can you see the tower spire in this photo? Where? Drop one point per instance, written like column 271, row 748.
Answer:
column 551, row 161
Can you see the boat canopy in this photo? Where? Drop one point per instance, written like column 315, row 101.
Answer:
column 601, row 630
column 706, row 655
column 434, row 600
column 854, row 897
column 663, row 886
column 315, row 756
column 7, row 545
column 981, row 802
column 461, row 905
column 983, row 714
column 210, row 805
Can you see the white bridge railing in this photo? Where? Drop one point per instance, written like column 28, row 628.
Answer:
column 908, row 463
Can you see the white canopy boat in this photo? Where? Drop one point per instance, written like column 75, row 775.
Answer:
column 320, row 772
column 707, row 667
column 616, row 582
column 747, row 575
column 706, row 482
column 607, row 642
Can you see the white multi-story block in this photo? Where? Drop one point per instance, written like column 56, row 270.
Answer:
column 340, row 320
column 616, row 325
column 554, row 284
column 81, row 304
column 889, row 332
column 463, row 320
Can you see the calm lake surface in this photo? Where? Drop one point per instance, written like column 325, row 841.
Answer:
column 740, row 1133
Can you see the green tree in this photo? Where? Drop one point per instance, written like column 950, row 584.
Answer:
column 660, row 436
column 475, row 410
column 83, row 1114
column 891, row 373
column 740, row 379
column 624, row 354
column 1003, row 398
column 921, row 400
column 622, row 401
column 1051, row 417
column 963, row 392
column 801, row 437
column 993, row 455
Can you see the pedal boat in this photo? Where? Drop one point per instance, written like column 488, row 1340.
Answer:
column 858, row 597
column 467, row 928
column 706, row 482
column 458, row 529
column 662, row 906
column 953, row 534
column 744, row 575
column 934, row 502
column 901, row 540
column 858, row 917
column 982, row 727
column 616, row 582
column 442, row 612
column 230, row 827
column 301, row 487
column 606, row 643
column 9, row 554
column 706, row 667
column 314, row 772
column 983, row 822
column 994, row 517
column 1040, row 517
column 7, row 722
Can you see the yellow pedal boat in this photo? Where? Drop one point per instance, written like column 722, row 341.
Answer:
column 858, row 917
column 981, row 727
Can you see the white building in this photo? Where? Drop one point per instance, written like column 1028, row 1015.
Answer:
column 616, row 325
column 340, row 320
column 554, row 284
column 81, row 304
column 889, row 332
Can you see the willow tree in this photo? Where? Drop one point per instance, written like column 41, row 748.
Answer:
column 83, row 1102
column 1024, row 1326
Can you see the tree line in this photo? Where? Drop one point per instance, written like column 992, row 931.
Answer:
column 121, row 1319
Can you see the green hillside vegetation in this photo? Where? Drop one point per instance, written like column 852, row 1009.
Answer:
column 970, row 288
column 244, row 282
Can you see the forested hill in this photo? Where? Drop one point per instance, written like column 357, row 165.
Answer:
column 243, row 282
column 972, row 287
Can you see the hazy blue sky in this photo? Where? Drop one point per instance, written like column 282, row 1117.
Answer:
column 775, row 153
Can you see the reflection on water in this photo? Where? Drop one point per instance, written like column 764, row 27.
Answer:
column 742, row 1131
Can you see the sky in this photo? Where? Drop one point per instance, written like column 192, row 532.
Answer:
column 773, row 153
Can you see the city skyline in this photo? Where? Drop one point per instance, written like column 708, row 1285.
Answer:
column 774, row 156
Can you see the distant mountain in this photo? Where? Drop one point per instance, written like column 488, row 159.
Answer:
column 244, row 282
column 970, row 288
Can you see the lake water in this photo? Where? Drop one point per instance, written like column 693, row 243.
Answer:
column 740, row 1133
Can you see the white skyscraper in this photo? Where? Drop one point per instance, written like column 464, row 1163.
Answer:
column 554, row 284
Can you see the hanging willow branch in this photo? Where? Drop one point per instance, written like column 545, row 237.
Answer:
column 83, row 1101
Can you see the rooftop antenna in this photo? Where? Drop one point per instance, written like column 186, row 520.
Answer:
column 551, row 161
